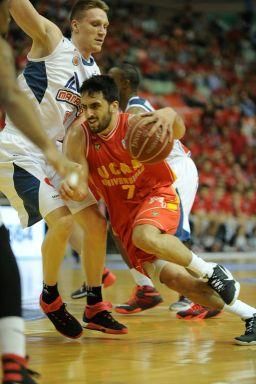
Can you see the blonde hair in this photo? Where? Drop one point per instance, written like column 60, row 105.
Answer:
column 83, row 5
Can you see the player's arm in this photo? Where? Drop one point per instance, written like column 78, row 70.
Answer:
column 21, row 112
column 16, row 103
column 74, row 147
column 45, row 34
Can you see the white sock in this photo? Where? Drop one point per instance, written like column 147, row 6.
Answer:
column 12, row 338
column 201, row 267
column 241, row 309
column 140, row 279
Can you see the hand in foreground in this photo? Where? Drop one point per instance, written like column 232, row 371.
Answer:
column 74, row 186
column 164, row 119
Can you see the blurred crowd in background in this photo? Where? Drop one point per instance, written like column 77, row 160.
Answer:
column 203, row 65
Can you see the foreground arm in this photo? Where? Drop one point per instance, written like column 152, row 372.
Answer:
column 21, row 112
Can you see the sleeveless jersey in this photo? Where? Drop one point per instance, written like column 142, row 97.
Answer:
column 53, row 83
column 121, row 181
column 179, row 150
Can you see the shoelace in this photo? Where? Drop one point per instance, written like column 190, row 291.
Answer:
column 217, row 284
column 197, row 307
column 249, row 325
column 108, row 316
column 60, row 312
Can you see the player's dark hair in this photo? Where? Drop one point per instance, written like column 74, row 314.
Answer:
column 83, row 5
column 130, row 72
column 101, row 83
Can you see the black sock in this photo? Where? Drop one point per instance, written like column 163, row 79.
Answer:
column 50, row 293
column 94, row 295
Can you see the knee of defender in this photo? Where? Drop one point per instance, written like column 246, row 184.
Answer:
column 64, row 226
column 142, row 239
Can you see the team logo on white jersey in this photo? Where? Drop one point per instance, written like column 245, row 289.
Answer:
column 76, row 60
column 70, row 93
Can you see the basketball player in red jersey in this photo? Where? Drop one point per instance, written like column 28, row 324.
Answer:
column 143, row 206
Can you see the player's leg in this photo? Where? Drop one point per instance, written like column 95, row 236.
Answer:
column 93, row 250
column 12, row 338
column 145, row 295
column 177, row 278
column 108, row 277
column 162, row 210
column 30, row 192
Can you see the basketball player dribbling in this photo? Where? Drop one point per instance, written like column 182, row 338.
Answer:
column 145, row 296
column 52, row 77
column 144, row 207
column 127, row 79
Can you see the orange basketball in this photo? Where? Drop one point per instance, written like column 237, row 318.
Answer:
column 146, row 149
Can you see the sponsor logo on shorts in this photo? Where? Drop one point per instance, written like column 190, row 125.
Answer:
column 55, row 196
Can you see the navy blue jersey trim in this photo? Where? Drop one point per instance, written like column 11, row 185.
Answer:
column 36, row 78
column 139, row 102
column 27, row 187
column 181, row 233
column 89, row 62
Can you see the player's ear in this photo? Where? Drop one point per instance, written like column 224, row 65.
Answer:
column 74, row 26
column 114, row 106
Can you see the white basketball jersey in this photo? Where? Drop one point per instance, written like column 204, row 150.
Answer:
column 178, row 148
column 53, row 84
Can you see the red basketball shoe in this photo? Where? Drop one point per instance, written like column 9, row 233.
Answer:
column 144, row 297
column 98, row 318
column 15, row 370
column 62, row 320
column 197, row 311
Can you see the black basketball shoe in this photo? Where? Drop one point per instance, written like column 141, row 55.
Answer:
column 224, row 284
column 249, row 337
column 15, row 370
column 98, row 318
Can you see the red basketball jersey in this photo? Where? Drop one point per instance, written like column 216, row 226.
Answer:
column 121, row 181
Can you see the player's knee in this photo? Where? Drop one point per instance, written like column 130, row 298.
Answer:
column 64, row 226
column 143, row 239
column 96, row 224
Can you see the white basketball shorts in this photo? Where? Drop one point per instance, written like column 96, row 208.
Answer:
column 186, row 185
column 29, row 183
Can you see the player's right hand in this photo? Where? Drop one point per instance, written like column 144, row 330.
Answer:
column 74, row 185
column 162, row 118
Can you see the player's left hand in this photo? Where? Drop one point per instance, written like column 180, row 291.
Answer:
column 164, row 119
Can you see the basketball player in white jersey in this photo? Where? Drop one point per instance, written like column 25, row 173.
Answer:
column 52, row 78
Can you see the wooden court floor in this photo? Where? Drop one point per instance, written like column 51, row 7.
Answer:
column 158, row 348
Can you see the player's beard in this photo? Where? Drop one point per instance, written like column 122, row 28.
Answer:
column 103, row 124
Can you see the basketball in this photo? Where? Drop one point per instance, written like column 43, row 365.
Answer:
column 146, row 149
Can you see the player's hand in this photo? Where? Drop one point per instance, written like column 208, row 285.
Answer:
column 74, row 186
column 164, row 119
